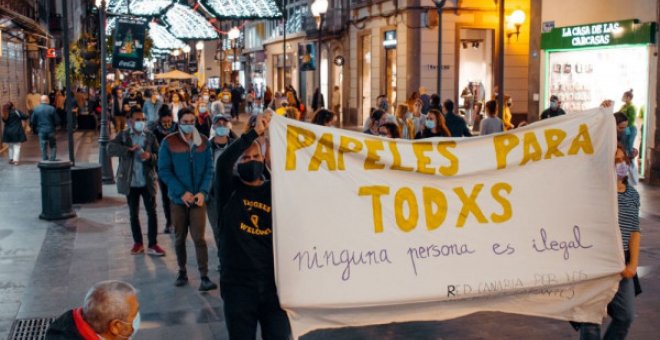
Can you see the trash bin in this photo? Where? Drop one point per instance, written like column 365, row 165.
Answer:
column 56, row 203
column 86, row 183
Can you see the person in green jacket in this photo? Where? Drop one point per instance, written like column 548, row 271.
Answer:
column 631, row 112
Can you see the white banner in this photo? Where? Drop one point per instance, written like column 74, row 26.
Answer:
column 370, row 230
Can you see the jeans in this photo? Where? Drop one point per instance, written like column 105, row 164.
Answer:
column 149, row 201
column 629, row 139
column 212, row 213
column 120, row 123
column 166, row 202
column 191, row 219
column 47, row 139
column 14, row 151
column 622, row 311
column 247, row 304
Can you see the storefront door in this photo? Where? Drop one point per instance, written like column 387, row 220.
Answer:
column 475, row 70
column 365, row 74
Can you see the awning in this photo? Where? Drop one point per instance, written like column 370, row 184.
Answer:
column 25, row 23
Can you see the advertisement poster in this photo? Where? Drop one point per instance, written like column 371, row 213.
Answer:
column 439, row 228
column 128, row 49
column 307, row 54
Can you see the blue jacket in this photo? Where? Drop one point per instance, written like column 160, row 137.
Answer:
column 44, row 118
column 184, row 168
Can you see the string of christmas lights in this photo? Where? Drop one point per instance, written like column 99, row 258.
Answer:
column 185, row 23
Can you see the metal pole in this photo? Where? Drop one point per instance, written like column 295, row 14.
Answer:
column 284, row 52
column 439, row 4
column 500, row 63
column 67, row 73
column 439, row 86
column 318, row 55
column 104, row 159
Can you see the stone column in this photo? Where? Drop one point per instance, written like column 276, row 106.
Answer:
column 413, row 49
column 534, row 73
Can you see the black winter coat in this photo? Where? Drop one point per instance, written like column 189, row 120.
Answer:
column 63, row 328
column 13, row 132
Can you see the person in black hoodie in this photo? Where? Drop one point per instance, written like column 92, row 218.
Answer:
column 455, row 123
column 163, row 127
column 247, row 275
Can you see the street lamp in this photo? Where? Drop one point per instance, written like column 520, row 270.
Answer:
column 319, row 8
column 199, row 46
column 517, row 18
column 439, row 4
column 104, row 135
column 233, row 34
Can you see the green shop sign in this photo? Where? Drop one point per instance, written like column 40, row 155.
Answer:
column 602, row 34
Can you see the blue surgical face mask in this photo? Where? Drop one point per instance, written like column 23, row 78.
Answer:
column 553, row 105
column 622, row 169
column 430, row 124
column 135, row 325
column 202, row 109
column 222, row 131
column 138, row 126
column 187, row 128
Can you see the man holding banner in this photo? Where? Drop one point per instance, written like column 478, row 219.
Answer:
column 247, row 274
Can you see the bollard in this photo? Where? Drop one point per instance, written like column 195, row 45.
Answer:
column 86, row 183
column 56, row 200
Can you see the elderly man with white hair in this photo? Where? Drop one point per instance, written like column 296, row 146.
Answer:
column 110, row 311
column 44, row 119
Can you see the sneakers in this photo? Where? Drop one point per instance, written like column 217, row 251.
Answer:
column 182, row 279
column 207, row 285
column 137, row 249
column 155, row 251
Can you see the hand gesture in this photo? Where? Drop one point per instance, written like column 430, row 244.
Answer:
column 188, row 198
column 145, row 156
column 629, row 272
column 199, row 199
column 134, row 147
column 262, row 124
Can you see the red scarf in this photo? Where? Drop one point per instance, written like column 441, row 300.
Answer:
column 84, row 329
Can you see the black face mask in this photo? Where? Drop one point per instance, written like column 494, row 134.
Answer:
column 250, row 171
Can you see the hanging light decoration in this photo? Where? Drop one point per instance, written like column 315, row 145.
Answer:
column 110, row 26
column 234, row 33
column 148, row 7
column 244, row 9
column 117, row 7
column 185, row 23
column 162, row 38
column 138, row 7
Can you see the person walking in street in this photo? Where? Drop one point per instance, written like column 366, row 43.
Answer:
column 59, row 107
column 163, row 128
column 434, row 126
column 492, row 123
column 631, row 112
column 45, row 120
column 236, row 99
column 137, row 150
column 176, row 105
column 185, row 164
column 246, row 243
column 152, row 106
column 110, row 311
column 554, row 110
column 13, row 133
column 318, row 101
column 224, row 136
column 455, row 123
column 204, row 120
column 119, row 110
column 336, row 100
column 622, row 307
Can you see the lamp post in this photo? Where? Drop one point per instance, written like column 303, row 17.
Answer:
column 67, row 74
column 199, row 48
column 104, row 135
column 186, row 50
column 319, row 8
column 233, row 35
column 439, row 4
